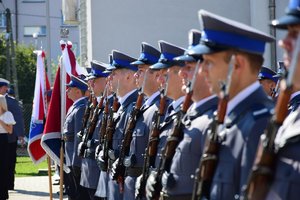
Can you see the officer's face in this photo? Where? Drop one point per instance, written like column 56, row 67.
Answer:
column 162, row 76
column 288, row 43
column 140, row 75
column 267, row 85
column 98, row 85
column 186, row 74
column 215, row 69
column 71, row 93
column 121, row 78
column 174, row 81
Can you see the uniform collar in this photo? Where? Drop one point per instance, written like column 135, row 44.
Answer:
column 201, row 102
column 295, row 94
column 151, row 99
column 241, row 96
column 124, row 98
column 176, row 103
column 81, row 98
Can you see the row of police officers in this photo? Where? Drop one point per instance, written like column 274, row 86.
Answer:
column 194, row 123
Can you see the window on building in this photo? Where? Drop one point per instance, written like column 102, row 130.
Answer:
column 33, row 1
column 2, row 20
column 29, row 30
column 67, row 25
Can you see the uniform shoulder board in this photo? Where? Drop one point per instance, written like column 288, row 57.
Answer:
column 261, row 111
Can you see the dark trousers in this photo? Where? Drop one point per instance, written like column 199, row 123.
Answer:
column 12, row 159
column 3, row 166
column 91, row 193
column 72, row 183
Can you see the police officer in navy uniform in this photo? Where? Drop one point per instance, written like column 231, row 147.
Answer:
column 18, row 131
column 167, row 67
column 102, row 189
column 89, row 169
column 248, row 109
column 268, row 80
column 73, row 124
column 286, row 178
column 124, row 84
column 178, row 184
column 145, row 78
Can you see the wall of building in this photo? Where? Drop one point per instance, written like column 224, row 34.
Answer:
column 33, row 13
column 123, row 25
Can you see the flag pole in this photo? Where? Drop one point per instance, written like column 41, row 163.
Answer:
column 49, row 176
column 46, row 111
column 62, row 114
column 64, row 34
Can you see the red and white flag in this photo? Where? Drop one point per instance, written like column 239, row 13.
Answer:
column 39, row 110
column 51, row 139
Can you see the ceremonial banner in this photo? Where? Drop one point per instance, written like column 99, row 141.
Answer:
column 39, row 110
column 51, row 140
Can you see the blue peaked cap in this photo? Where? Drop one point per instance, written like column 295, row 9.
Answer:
column 149, row 55
column 110, row 67
column 291, row 17
column 194, row 39
column 98, row 69
column 168, row 53
column 220, row 33
column 78, row 83
column 267, row 73
column 122, row 61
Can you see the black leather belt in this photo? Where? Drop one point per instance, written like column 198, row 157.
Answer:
column 134, row 171
column 68, row 138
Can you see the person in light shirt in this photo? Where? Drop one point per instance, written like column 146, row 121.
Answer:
column 6, row 127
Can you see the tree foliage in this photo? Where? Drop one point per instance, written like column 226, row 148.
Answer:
column 26, row 69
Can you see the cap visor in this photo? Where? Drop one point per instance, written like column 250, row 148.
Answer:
column 201, row 49
column 159, row 65
column 186, row 58
column 286, row 20
column 138, row 62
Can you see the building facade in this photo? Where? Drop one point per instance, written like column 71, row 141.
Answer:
column 123, row 25
column 30, row 25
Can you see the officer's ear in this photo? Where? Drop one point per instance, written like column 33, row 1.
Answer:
column 239, row 62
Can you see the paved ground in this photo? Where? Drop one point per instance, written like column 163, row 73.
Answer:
column 35, row 188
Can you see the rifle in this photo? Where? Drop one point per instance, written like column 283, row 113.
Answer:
column 86, row 116
column 90, row 129
column 261, row 176
column 125, row 146
column 281, row 72
column 108, row 138
column 102, row 130
column 176, row 136
column 151, row 149
column 209, row 160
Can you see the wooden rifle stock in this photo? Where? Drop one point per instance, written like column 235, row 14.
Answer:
column 262, row 172
column 102, row 130
column 108, row 138
column 172, row 142
column 86, row 116
column 209, row 159
column 91, row 127
column 151, row 149
column 125, row 146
